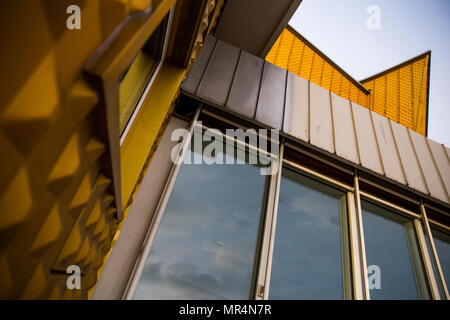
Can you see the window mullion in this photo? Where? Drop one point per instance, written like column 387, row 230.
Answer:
column 433, row 249
column 265, row 267
column 354, row 248
column 426, row 260
column 361, row 237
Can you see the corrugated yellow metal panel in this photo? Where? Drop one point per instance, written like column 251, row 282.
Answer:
column 401, row 93
column 294, row 53
column 296, row 56
column 55, row 205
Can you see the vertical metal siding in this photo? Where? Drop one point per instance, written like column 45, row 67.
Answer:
column 428, row 166
column 216, row 82
column 313, row 114
column 367, row 143
column 271, row 96
column 296, row 110
column 344, row 130
column 442, row 163
column 408, row 158
column 245, row 88
column 321, row 125
column 388, row 150
column 196, row 74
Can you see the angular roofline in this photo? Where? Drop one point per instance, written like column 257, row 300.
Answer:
column 401, row 65
column 327, row 59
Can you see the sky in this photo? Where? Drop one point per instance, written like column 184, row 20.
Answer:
column 407, row 28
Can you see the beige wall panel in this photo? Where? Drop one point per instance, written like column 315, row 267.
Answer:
column 429, row 169
column 344, row 130
column 411, row 166
column 296, row 112
column 440, row 157
column 321, row 125
column 367, row 144
column 388, row 150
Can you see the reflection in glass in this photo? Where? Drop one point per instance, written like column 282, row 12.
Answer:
column 392, row 251
column 205, row 247
column 442, row 243
column 135, row 78
column 307, row 259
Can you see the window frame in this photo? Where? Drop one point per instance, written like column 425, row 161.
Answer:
column 414, row 219
column 147, row 243
column 354, row 224
column 155, row 73
column 345, row 208
column 440, row 274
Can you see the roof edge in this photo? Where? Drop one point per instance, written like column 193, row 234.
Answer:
column 327, row 59
column 398, row 66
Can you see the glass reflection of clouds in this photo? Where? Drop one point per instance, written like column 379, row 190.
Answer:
column 307, row 251
column 390, row 242
column 206, row 244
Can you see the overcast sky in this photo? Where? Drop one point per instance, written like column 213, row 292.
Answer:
column 408, row 28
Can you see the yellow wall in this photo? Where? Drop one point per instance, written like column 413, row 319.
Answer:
column 56, row 207
column 57, row 203
column 400, row 94
column 295, row 55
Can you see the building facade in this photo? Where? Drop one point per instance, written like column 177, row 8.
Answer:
column 193, row 150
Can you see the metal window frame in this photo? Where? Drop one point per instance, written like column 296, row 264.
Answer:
column 441, row 277
column 159, row 212
column 349, row 285
column 265, row 264
column 103, row 69
column 416, row 220
column 354, row 223
column 150, row 82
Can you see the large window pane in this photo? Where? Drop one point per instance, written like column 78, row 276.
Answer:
column 307, row 258
column 394, row 265
column 205, row 247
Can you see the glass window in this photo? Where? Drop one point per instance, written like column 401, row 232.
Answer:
column 307, row 257
column 442, row 244
column 138, row 74
column 205, row 247
column 395, row 268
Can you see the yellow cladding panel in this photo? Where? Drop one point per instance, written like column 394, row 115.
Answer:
column 52, row 192
column 136, row 146
column 292, row 53
column 400, row 94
